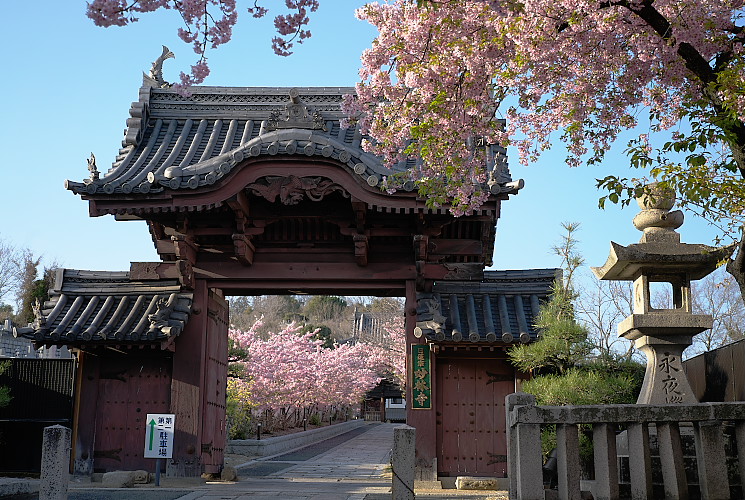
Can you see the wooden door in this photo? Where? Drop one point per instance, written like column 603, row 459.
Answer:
column 214, row 385
column 471, row 438
column 129, row 387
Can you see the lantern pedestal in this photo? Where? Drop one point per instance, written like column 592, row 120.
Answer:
column 662, row 337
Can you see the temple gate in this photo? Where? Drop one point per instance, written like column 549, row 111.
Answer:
column 259, row 191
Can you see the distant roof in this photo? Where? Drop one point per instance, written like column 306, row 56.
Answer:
column 185, row 143
column 97, row 307
column 501, row 308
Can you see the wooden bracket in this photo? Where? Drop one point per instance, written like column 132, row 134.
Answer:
column 360, row 214
column 361, row 248
column 169, row 344
column 421, row 247
column 185, row 248
column 185, row 274
column 240, row 207
column 244, row 249
column 419, row 275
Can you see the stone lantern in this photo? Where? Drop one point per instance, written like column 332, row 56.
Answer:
column 659, row 257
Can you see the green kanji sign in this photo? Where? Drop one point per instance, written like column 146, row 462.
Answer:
column 421, row 371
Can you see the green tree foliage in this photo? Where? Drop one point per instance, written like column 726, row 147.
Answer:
column 389, row 305
column 565, row 368
column 588, row 385
column 241, row 312
column 562, row 341
column 322, row 333
column 6, row 312
column 322, row 308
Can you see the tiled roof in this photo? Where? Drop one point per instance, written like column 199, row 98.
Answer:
column 502, row 308
column 181, row 143
column 95, row 307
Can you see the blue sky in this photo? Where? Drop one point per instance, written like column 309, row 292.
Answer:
column 68, row 86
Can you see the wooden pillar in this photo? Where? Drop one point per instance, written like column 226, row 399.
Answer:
column 84, row 416
column 198, row 387
column 422, row 420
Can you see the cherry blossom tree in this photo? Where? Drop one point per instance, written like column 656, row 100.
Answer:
column 208, row 24
column 289, row 373
column 441, row 73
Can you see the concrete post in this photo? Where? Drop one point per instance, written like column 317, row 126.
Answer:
column 55, row 463
column 671, row 461
column 402, row 462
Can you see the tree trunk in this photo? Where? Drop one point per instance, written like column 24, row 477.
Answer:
column 736, row 265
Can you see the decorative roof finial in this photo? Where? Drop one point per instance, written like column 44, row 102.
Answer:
column 92, row 168
column 296, row 114
column 155, row 78
column 39, row 319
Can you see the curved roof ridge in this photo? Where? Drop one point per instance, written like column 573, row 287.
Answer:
column 177, row 142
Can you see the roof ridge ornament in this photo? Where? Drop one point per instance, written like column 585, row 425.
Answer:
column 155, row 77
column 92, row 169
column 296, row 114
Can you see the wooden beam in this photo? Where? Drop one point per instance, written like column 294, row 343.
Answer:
column 231, row 272
column 443, row 246
column 421, row 247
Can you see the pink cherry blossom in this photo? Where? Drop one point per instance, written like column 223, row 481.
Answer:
column 290, row 370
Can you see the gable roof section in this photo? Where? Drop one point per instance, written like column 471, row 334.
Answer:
column 185, row 143
column 499, row 309
column 97, row 307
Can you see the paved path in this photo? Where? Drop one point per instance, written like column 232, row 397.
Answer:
column 349, row 471
column 353, row 466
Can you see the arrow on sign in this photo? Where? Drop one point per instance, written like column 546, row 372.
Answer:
column 152, row 432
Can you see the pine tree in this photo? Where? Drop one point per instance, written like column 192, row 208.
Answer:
column 561, row 360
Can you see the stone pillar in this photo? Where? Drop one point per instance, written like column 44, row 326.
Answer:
column 55, row 463
column 402, row 462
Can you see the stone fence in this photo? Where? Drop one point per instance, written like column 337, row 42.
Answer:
column 707, row 420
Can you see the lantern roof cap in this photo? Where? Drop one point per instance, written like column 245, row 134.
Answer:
column 626, row 263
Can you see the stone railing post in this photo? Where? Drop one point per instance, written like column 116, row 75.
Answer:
column 711, row 460
column 402, row 462
column 567, row 457
column 640, row 468
column 524, row 458
column 606, row 465
column 55, row 463
column 671, row 461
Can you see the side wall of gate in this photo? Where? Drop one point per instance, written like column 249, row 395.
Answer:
column 42, row 395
